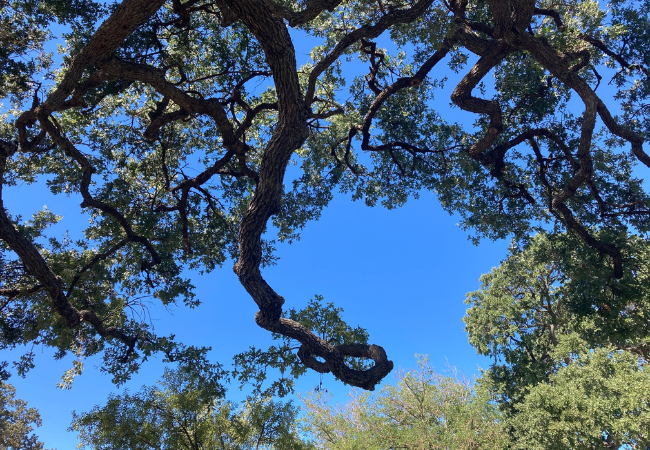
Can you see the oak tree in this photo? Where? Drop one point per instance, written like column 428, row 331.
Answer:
column 173, row 123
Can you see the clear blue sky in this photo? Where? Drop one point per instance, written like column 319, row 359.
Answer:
column 401, row 274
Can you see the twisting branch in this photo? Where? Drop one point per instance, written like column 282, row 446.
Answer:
column 462, row 96
column 584, row 173
column 553, row 15
column 376, row 61
column 510, row 37
column 156, row 78
column 383, row 95
column 290, row 133
column 365, row 32
column 556, row 63
column 159, row 121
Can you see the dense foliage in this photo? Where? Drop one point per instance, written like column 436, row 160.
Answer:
column 173, row 123
column 570, row 344
column 423, row 410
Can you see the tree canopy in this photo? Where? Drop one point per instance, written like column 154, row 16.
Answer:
column 173, row 123
column 187, row 410
column 570, row 344
column 423, row 410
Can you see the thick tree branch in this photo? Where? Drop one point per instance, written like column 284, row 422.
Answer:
column 36, row 266
column 290, row 133
column 126, row 18
column 462, row 96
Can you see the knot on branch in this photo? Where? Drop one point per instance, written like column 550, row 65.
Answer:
column 335, row 363
column 268, row 317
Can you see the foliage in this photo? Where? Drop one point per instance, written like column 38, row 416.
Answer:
column 570, row 343
column 598, row 400
column 173, row 123
column 17, row 422
column 185, row 412
column 422, row 410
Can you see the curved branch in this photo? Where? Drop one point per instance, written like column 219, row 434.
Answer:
column 156, row 78
column 290, row 133
column 556, row 63
column 399, row 84
column 365, row 32
column 553, row 15
column 462, row 96
column 88, row 200
column 600, row 45
column 153, row 129
column 126, row 18
column 382, row 97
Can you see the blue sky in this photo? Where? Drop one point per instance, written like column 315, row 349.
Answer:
column 401, row 274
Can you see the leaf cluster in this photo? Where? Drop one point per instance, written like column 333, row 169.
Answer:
column 17, row 421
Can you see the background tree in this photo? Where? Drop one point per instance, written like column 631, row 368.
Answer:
column 599, row 400
column 188, row 410
column 173, row 123
column 570, row 343
column 17, row 421
column 422, row 410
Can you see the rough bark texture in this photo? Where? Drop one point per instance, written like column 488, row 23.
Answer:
column 290, row 133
